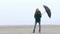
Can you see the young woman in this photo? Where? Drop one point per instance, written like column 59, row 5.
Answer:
column 37, row 17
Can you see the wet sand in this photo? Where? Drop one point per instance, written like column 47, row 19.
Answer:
column 45, row 29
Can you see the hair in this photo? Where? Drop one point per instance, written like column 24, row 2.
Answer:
column 37, row 11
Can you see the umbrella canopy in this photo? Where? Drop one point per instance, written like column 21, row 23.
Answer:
column 47, row 10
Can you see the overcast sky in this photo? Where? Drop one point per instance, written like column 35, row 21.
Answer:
column 21, row 12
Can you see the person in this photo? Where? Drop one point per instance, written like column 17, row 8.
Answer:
column 37, row 17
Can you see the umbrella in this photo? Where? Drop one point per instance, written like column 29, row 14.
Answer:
column 47, row 10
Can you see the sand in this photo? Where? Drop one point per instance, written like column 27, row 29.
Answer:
column 45, row 29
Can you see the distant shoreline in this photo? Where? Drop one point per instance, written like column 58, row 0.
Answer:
column 24, row 25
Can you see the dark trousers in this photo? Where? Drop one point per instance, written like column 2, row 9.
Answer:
column 35, row 27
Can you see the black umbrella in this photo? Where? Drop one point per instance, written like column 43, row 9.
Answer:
column 47, row 10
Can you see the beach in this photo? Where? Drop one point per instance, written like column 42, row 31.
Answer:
column 28, row 29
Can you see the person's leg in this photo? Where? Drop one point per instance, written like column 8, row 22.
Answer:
column 39, row 27
column 34, row 27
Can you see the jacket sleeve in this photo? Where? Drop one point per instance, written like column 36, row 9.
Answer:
column 34, row 15
column 40, row 15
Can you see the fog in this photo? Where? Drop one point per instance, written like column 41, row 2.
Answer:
column 21, row 12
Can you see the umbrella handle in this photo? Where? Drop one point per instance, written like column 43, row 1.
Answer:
column 43, row 13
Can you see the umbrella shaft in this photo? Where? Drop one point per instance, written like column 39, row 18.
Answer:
column 43, row 13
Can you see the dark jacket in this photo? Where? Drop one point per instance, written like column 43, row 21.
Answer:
column 37, row 16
